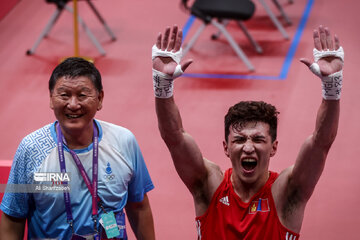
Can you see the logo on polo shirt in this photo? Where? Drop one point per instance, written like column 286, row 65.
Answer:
column 109, row 174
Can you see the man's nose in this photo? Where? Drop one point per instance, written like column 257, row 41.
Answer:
column 73, row 103
column 248, row 147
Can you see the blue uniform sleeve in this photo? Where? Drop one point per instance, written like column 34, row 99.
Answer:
column 16, row 204
column 140, row 182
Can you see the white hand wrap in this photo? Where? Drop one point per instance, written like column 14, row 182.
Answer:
column 331, row 85
column 164, row 83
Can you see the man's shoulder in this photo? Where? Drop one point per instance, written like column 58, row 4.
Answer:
column 112, row 130
column 280, row 181
column 112, row 126
column 32, row 150
column 41, row 138
column 215, row 176
column 36, row 145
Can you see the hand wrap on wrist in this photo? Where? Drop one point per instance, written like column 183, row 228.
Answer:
column 164, row 83
column 331, row 84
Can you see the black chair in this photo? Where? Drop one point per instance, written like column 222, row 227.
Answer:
column 62, row 5
column 214, row 12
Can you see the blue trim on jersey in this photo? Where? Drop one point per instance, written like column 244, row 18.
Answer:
column 77, row 151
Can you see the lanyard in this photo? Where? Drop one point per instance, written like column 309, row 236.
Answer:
column 92, row 187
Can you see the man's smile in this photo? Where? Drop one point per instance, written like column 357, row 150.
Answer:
column 73, row 116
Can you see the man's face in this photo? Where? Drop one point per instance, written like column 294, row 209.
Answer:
column 249, row 148
column 75, row 103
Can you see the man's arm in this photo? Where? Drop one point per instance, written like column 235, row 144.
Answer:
column 296, row 184
column 141, row 219
column 187, row 158
column 184, row 151
column 11, row 228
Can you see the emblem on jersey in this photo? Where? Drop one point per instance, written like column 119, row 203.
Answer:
column 225, row 200
column 109, row 174
column 261, row 205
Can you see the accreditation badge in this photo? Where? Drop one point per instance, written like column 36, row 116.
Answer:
column 120, row 223
column 110, row 225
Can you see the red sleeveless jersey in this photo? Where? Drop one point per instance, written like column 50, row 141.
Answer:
column 229, row 218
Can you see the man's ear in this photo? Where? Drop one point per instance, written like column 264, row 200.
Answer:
column 51, row 102
column 100, row 98
column 274, row 148
column 226, row 149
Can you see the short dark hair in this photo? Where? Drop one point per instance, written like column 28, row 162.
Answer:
column 74, row 67
column 184, row 4
column 251, row 111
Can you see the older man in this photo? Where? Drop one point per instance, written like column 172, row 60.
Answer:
column 106, row 169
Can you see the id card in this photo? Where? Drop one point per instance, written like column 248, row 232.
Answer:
column 110, row 225
column 120, row 220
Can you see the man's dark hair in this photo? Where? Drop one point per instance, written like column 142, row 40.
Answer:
column 76, row 67
column 251, row 111
column 184, row 5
